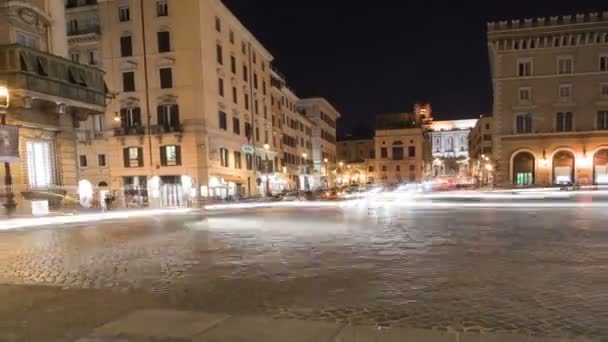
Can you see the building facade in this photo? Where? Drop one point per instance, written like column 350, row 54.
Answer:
column 449, row 144
column 44, row 96
column 355, row 156
column 481, row 158
column 399, row 156
column 550, row 80
column 324, row 118
column 191, row 115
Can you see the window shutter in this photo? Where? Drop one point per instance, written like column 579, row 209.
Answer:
column 123, row 117
column 137, row 116
column 160, row 110
column 175, row 115
column 163, row 156
column 125, row 156
column 140, row 156
column 178, row 155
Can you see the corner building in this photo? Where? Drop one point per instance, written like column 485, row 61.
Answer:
column 191, row 113
column 550, row 79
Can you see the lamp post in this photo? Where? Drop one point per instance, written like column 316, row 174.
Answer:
column 266, row 148
column 10, row 203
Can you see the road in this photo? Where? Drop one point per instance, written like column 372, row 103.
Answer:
column 541, row 271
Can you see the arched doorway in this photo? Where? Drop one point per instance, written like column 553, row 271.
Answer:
column 523, row 169
column 85, row 192
column 600, row 167
column 563, row 167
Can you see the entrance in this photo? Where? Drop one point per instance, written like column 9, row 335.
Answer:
column 563, row 167
column 523, row 169
column 171, row 192
column 600, row 167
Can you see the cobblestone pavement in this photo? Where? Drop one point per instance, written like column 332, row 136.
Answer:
column 532, row 272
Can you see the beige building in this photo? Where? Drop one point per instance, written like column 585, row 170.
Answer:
column 191, row 117
column 355, row 156
column 324, row 118
column 550, row 79
column 398, row 156
column 294, row 135
column 481, row 159
column 44, row 95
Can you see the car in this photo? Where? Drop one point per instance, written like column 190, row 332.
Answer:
column 332, row 195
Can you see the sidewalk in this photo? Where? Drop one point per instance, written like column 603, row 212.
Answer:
column 33, row 313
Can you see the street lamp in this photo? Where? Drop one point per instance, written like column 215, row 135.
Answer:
column 10, row 204
column 116, row 117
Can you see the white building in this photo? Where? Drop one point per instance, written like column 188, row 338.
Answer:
column 450, row 146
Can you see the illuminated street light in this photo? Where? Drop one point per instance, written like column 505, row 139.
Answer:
column 266, row 147
column 304, row 155
column 326, row 160
column 341, row 164
column 489, row 167
column 4, row 97
column 116, row 117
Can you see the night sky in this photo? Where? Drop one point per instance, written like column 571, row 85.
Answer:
column 385, row 55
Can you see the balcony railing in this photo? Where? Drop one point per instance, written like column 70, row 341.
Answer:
column 43, row 73
column 167, row 129
column 126, row 131
column 80, row 3
column 84, row 30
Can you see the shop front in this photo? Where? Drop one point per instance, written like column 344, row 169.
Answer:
column 223, row 187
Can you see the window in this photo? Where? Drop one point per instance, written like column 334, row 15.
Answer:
column 255, row 81
column 565, row 91
column 384, row 168
column 487, row 137
column 487, row 150
column 93, row 57
column 525, row 94
column 233, row 64
column 258, row 163
column 247, row 101
column 218, row 24
column 27, row 40
column 245, row 74
column 257, row 107
column 264, row 87
column 383, row 152
column 397, row 153
column 83, row 161
column 39, row 163
column 220, row 85
column 524, row 67
column 236, row 125
column 487, row 126
column 164, row 41
column 234, row 95
column 565, row 65
column 411, row 151
column 563, row 122
column 602, row 120
column 237, row 160
column 162, row 8
column 98, row 123
column 101, row 160
column 128, row 81
column 168, row 116
column 412, row 168
column 126, row 46
column 75, row 56
column 371, row 169
column 170, row 155
column 248, row 130
column 166, row 78
column 265, row 137
column 604, row 63
column 604, row 90
column 219, row 54
column 130, row 117
column 231, row 37
column 224, row 157
column 249, row 161
column 244, row 48
column 133, row 157
column 223, row 121
column 257, row 134
column 124, row 14
column 398, row 168
column 523, row 123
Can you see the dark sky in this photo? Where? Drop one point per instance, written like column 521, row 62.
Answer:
column 380, row 56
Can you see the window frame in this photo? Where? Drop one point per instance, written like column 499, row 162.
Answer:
column 166, row 72
column 525, row 60
column 561, row 59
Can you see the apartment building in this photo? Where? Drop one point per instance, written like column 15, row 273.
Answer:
column 550, row 79
column 481, row 159
column 355, row 156
column 324, row 118
column 295, row 136
column 191, row 114
column 43, row 96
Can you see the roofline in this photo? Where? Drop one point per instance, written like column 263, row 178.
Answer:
column 323, row 101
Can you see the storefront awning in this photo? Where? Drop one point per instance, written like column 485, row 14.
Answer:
column 228, row 179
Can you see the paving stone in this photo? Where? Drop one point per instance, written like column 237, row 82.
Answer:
column 257, row 329
column 373, row 334
column 161, row 324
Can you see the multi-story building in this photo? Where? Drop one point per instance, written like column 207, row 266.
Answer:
column 191, row 117
column 355, row 156
column 324, row 117
column 294, row 135
column 43, row 96
column 449, row 143
column 481, row 158
column 550, row 79
column 398, row 143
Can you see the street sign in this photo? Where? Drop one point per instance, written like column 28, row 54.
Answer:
column 248, row 149
column 9, row 144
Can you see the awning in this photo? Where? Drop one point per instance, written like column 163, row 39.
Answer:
column 229, row 178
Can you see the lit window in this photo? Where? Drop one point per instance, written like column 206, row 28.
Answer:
column 162, row 8
column 170, row 155
column 124, row 13
column 39, row 163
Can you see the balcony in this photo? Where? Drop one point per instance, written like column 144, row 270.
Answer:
column 79, row 31
column 129, row 131
column 79, row 3
column 167, row 129
column 43, row 76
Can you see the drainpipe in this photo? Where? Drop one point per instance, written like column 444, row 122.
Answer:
column 147, row 93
